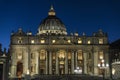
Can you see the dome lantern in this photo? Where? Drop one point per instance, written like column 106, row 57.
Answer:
column 51, row 11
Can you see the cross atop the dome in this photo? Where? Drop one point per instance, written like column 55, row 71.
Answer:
column 51, row 8
column 51, row 11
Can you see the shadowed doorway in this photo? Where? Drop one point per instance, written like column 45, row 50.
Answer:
column 19, row 69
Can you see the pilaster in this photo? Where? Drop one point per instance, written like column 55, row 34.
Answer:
column 76, row 59
column 50, row 63
column 95, row 63
column 37, row 63
column 66, row 63
column 72, row 64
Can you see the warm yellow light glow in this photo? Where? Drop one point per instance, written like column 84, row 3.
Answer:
column 61, row 62
column 107, row 65
column 98, row 65
column 62, row 54
column 51, row 13
column 32, row 41
column 69, row 55
column 42, row 56
column 19, row 57
column 79, row 41
column 28, row 72
column 79, row 54
column 42, row 41
column 44, row 31
column 53, row 41
column 101, row 54
column 89, row 42
column 69, row 41
column 113, row 71
column 103, row 61
column 101, row 57
column 100, row 41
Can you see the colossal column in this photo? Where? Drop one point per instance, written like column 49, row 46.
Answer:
column 57, row 70
column 50, row 62
column 84, row 62
column 46, row 63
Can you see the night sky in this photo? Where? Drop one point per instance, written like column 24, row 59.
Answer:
column 78, row 16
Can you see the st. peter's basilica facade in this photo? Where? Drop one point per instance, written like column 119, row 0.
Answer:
column 52, row 51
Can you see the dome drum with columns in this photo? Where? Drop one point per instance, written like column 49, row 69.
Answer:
column 53, row 52
column 52, row 25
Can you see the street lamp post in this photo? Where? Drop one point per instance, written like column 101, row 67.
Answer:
column 27, row 77
column 103, row 66
column 78, row 70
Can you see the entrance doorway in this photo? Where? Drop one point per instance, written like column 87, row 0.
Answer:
column 19, row 69
column 61, row 58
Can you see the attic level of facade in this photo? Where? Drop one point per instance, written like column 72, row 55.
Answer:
column 20, row 37
column 20, row 32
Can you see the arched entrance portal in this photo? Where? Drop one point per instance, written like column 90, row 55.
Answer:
column 19, row 69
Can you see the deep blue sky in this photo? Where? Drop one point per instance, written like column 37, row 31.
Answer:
column 78, row 15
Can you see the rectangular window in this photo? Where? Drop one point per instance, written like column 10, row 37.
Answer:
column 69, row 41
column 89, row 42
column 42, row 41
column 32, row 41
column 79, row 41
column 53, row 41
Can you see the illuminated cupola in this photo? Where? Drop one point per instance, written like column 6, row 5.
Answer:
column 52, row 25
column 51, row 11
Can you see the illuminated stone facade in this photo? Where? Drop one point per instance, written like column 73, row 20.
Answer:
column 53, row 51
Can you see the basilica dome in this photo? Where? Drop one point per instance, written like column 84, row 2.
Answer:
column 52, row 24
